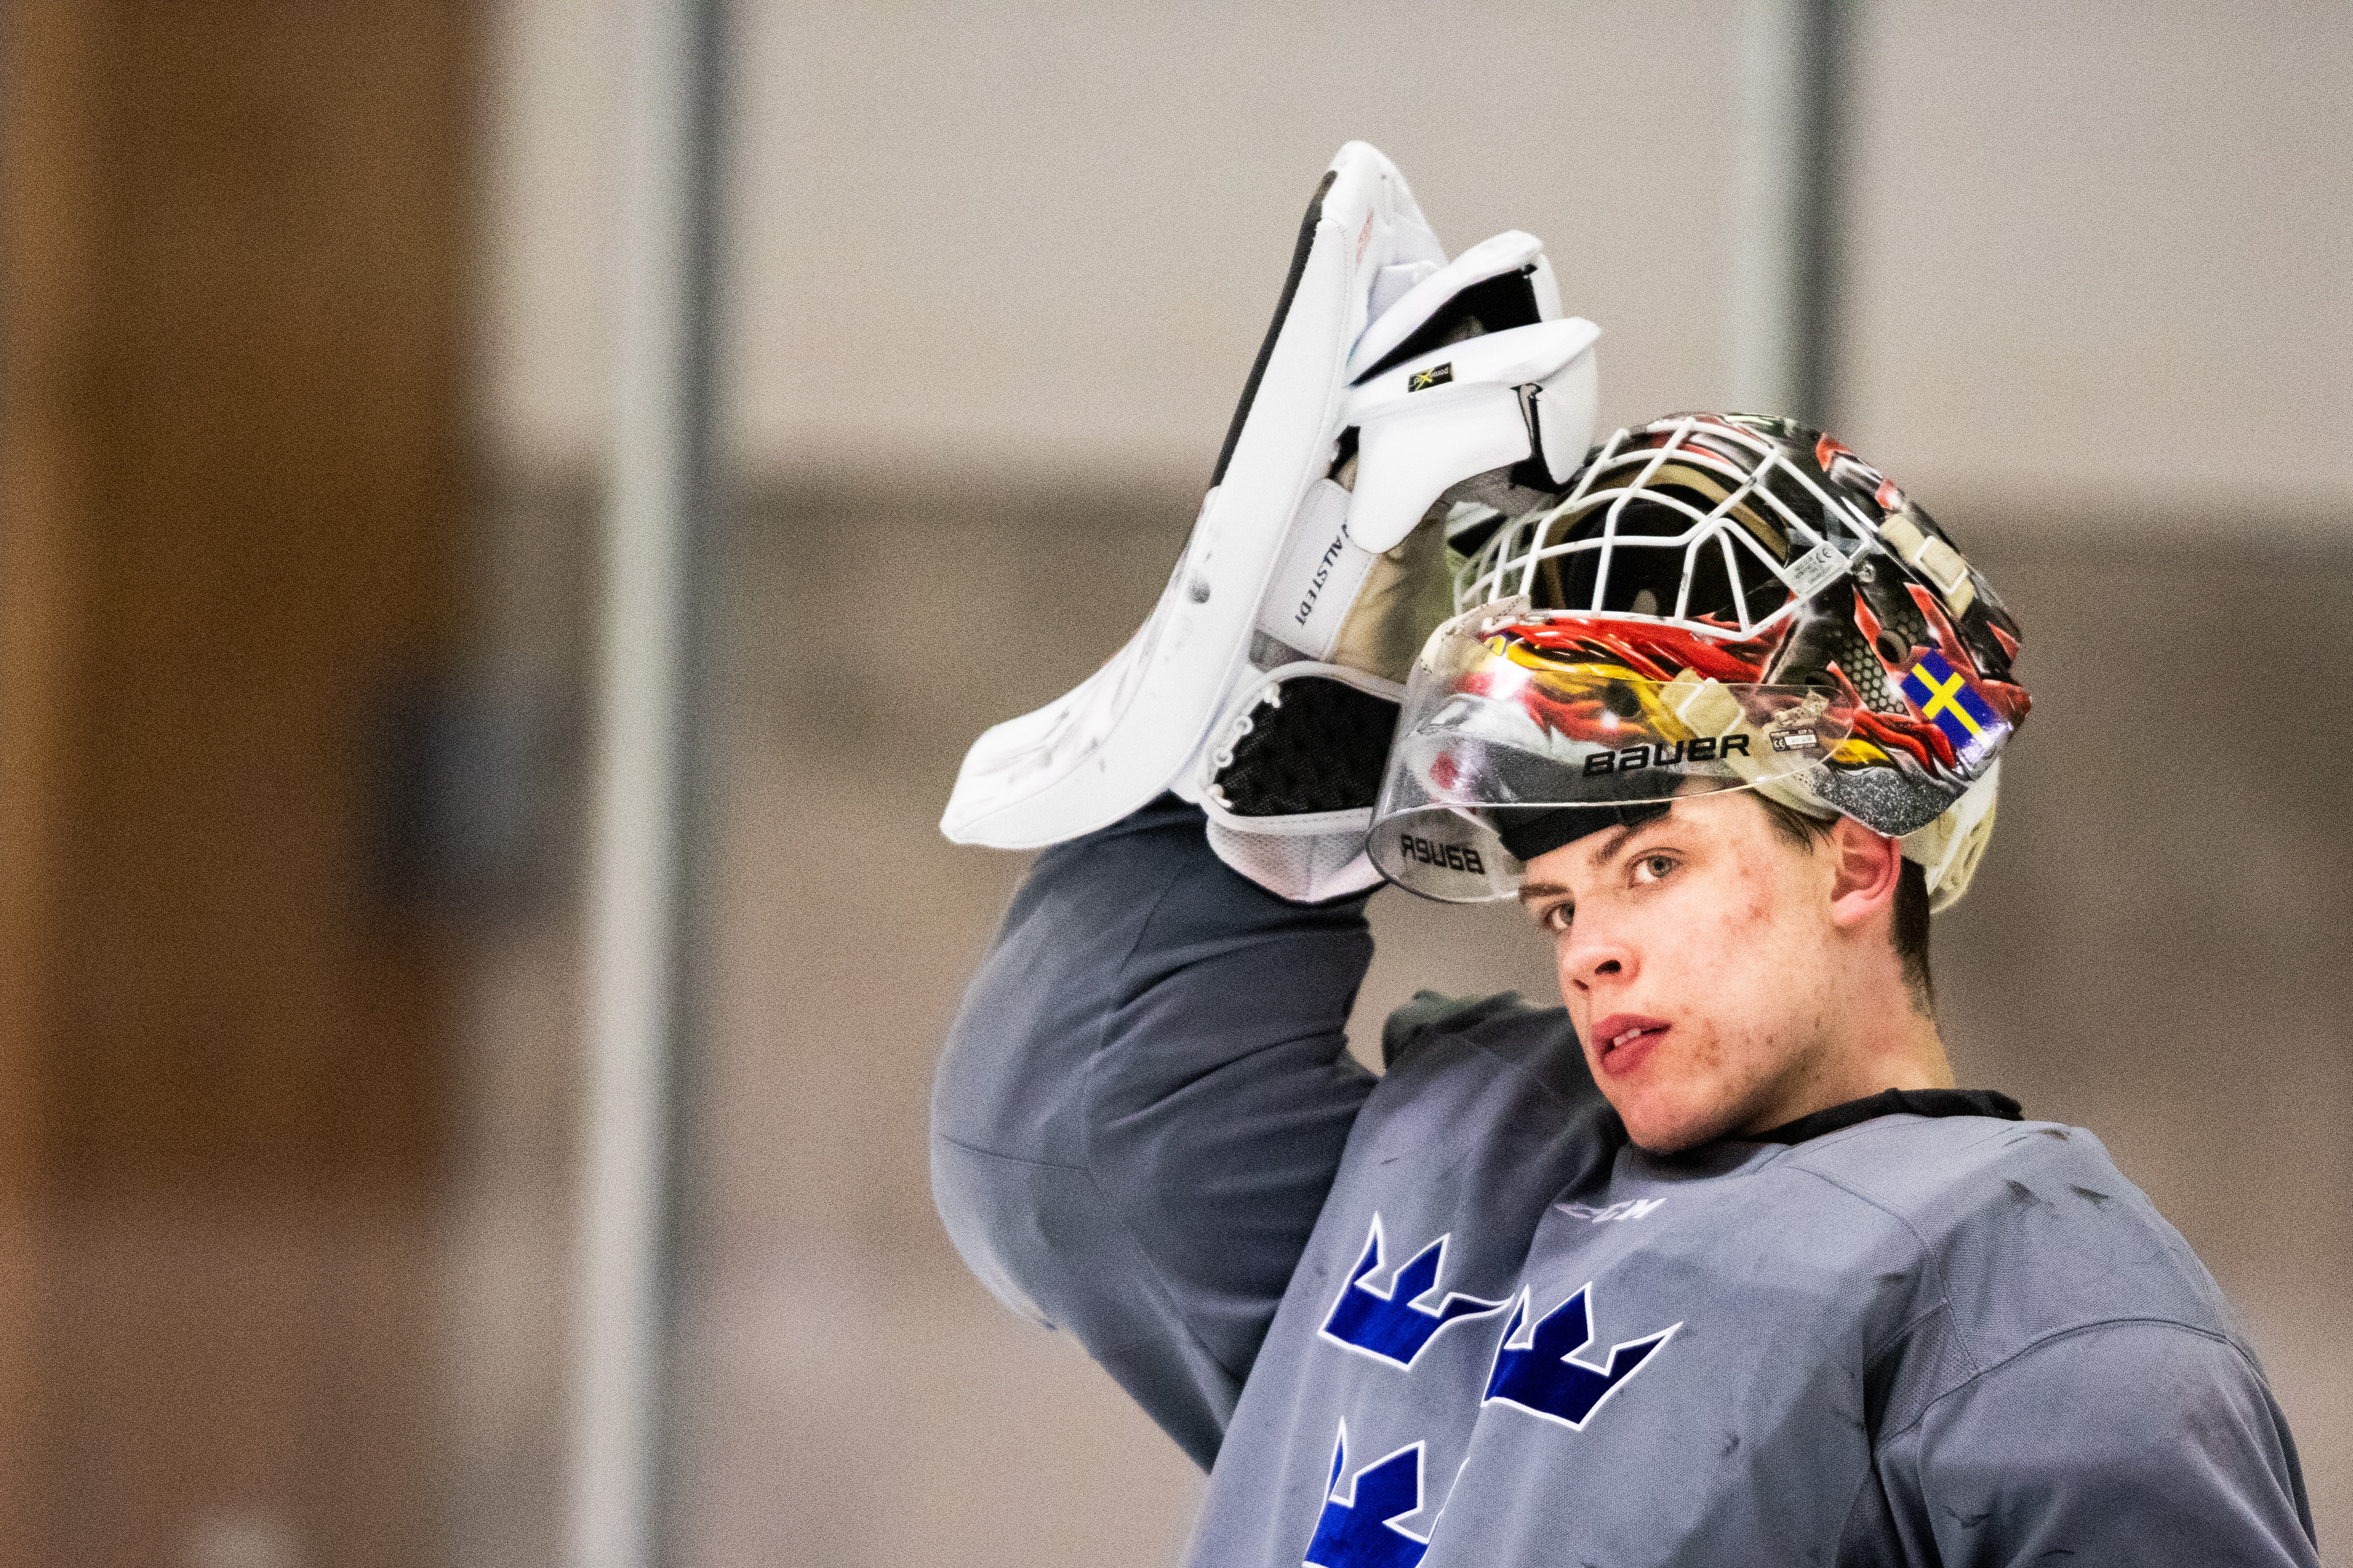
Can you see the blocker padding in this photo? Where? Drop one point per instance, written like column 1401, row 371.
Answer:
column 1321, row 750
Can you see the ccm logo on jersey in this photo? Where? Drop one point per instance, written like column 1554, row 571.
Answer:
column 1634, row 759
column 1633, row 1208
column 1453, row 856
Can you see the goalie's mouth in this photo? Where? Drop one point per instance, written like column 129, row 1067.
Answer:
column 1621, row 1040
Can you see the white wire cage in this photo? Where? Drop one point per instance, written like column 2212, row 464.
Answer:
column 1676, row 533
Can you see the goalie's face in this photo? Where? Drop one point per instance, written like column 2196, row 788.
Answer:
column 1706, row 961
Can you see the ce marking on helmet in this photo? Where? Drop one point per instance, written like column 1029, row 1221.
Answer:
column 1633, row 759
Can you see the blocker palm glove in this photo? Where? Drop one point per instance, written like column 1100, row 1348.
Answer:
column 1265, row 683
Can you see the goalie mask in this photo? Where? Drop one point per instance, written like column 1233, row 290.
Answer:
column 1719, row 601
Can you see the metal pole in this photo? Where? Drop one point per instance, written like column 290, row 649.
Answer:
column 1789, row 216
column 656, row 517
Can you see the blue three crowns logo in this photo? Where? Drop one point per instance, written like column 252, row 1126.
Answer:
column 1394, row 1325
column 1358, row 1528
column 1534, row 1368
column 1543, row 1366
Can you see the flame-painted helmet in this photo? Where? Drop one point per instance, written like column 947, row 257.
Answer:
column 1719, row 601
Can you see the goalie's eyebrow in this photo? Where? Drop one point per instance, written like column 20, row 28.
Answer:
column 1614, row 841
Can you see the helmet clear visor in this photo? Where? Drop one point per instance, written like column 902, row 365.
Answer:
column 1496, row 733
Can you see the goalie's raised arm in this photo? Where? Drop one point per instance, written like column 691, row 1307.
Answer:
column 1142, row 1105
column 1146, row 1097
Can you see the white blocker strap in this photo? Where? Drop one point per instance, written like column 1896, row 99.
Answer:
column 1464, row 408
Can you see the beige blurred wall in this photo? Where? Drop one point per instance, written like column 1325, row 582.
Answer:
column 2101, row 255
column 2092, row 246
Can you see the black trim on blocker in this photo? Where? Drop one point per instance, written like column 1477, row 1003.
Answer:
column 1282, row 310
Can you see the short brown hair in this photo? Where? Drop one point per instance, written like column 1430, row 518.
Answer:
column 1910, row 931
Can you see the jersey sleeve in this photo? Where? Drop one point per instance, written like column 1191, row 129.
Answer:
column 1142, row 1104
column 2135, row 1442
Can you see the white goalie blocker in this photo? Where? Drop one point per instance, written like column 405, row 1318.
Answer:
column 1390, row 376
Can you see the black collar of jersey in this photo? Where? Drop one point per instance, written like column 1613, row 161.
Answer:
column 1891, row 1102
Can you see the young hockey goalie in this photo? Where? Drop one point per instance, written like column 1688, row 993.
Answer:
column 1712, row 1264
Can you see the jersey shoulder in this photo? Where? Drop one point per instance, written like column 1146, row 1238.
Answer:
column 1464, row 1062
column 2026, row 1229
column 1501, row 1030
column 1432, row 1015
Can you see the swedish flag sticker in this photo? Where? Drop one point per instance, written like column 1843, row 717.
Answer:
column 1947, row 699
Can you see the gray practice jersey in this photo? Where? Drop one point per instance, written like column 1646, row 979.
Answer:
column 1450, row 1317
